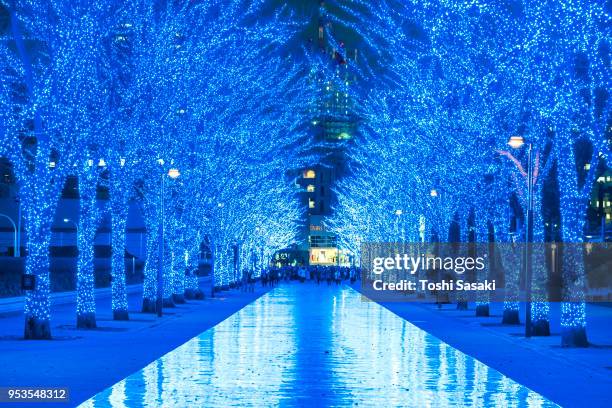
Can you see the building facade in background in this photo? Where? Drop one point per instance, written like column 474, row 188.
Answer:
column 333, row 128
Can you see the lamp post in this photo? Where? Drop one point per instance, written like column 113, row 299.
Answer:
column 220, row 225
column 17, row 251
column 173, row 173
column 398, row 214
column 553, row 247
column 253, row 250
column 76, row 226
column 516, row 142
column 15, row 235
column 435, row 196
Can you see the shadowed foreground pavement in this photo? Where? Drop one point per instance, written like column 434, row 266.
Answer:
column 300, row 345
column 88, row 361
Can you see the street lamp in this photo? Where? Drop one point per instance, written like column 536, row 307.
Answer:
column 68, row 220
column 76, row 226
column 516, row 142
column 173, row 173
column 435, row 195
column 18, row 249
column 396, row 230
column 15, row 239
column 398, row 213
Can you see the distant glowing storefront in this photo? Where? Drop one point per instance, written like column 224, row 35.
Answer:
column 329, row 256
column 323, row 256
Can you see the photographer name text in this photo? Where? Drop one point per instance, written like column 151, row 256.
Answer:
column 424, row 284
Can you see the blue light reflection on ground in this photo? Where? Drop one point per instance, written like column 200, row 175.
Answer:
column 302, row 345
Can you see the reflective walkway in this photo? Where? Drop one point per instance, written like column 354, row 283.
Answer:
column 303, row 345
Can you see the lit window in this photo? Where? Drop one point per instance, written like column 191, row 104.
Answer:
column 311, row 203
column 310, row 174
column 310, row 188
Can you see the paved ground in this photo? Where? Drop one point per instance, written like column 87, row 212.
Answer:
column 88, row 361
column 576, row 377
column 302, row 345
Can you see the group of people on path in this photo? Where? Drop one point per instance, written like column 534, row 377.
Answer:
column 274, row 275
column 329, row 274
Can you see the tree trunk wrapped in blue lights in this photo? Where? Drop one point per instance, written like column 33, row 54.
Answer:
column 38, row 302
column 540, row 307
column 150, row 283
column 482, row 248
column 573, row 220
column 119, row 199
column 89, row 217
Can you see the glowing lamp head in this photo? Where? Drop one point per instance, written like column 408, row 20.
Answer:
column 516, row 142
column 398, row 212
column 174, row 173
column 66, row 220
column 433, row 193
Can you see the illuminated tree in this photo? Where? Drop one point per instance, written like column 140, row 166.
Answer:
column 52, row 98
column 569, row 50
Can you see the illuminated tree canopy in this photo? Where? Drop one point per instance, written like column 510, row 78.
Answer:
column 195, row 110
column 454, row 81
column 199, row 112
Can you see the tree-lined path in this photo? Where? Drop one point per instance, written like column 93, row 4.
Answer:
column 246, row 141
